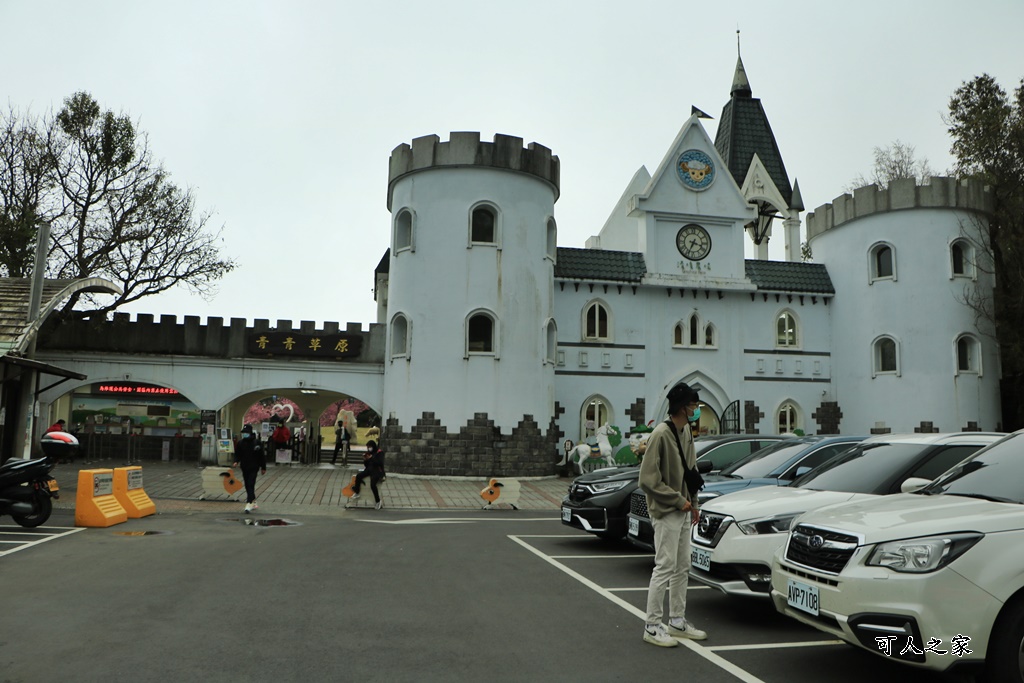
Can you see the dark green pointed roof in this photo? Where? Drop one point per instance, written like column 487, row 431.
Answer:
column 744, row 131
column 599, row 264
column 789, row 276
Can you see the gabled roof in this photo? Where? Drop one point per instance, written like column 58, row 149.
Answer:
column 789, row 276
column 15, row 330
column 744, row 131
column 599, row 264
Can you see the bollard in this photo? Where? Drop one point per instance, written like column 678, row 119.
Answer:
column 218, row 481
column 129, row 492
column 95, row 504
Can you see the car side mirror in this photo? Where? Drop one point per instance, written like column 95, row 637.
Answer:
column 801, row 471
column 704, row 466
column 913, row 484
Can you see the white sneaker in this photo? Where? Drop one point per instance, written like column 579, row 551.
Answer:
column 655, row 634
column 379, row 505
column 354, row 496
column 248, row 507
column 681, row 628
column 255, row 506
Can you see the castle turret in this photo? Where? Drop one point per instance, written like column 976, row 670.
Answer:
column 469, row 368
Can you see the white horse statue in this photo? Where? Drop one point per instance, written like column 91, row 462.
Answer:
column 585, row 453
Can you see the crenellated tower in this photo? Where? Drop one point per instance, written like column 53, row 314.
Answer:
column 469, row 365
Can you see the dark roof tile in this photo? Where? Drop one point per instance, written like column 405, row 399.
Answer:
column 599, row 264
column 787, row 276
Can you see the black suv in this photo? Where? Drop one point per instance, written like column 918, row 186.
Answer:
column 598, row 502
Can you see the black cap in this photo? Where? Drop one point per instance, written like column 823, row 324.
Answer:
column 247, row 429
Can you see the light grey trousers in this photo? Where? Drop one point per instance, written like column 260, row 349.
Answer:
column 671, row 566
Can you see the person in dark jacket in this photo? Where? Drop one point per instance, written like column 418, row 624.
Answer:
column 249, row 455
column 373, row 467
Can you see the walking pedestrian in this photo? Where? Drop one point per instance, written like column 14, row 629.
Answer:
column 341, row 442
column 280, row 438
column 373, row 467
column 673, row 509
column 249, row 455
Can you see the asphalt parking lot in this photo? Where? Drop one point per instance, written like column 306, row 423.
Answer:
column 385, row 595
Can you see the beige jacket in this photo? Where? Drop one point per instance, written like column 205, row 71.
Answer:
column 661, row 470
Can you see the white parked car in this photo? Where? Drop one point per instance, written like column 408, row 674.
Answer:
column 934, row 579
column 738, row 533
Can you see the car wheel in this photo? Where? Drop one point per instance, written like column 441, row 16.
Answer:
column 1005, row 661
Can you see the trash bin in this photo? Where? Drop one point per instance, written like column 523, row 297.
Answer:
column 59, row 446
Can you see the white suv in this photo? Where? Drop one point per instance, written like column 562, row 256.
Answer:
column 934, row 579
column 738, row 533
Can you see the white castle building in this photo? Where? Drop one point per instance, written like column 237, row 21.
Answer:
column 500, row 344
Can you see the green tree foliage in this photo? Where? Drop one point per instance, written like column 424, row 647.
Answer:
column 988, row 143
column 113, row 211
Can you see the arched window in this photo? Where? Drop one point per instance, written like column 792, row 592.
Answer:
column 883, row 262
column 484, row 225
column 786, row 330
column 480, row 328
column 968, row 354
column 694, row 330
column 552, row 243
column 595, row 412
column 709, row 336
column 678, row 334
column 886, row 356
column 961, row 257
column 551, row 335
column 403, row 230
column 596, row 322
column 787, row 419
column 399, row 336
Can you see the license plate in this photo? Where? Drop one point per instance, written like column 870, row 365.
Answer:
column 634, row 527
column 802, row 597
column 700, row 558
column 51, row 485
column 566, row 515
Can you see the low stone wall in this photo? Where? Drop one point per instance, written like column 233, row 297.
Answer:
column 478, row 449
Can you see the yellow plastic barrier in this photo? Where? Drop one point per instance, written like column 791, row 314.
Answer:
column 129, row 493
column 95, row 504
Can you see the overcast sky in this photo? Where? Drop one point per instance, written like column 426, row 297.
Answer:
column 282, row 115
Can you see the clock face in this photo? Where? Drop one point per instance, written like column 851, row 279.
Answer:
column 693, row 242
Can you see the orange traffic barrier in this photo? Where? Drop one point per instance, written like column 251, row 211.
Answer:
column 130, row 494
column 95, row 504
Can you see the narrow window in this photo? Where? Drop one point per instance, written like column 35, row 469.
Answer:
column 399, row 336
column 787, row 419
column 785, row 330
column 886, row 355
column 552, row 343
column 481, row 334
column 958, row 258
column 677, row 337
column 596, row 322
column 694, row 329
column 403, row 230
column 552, row 246
column 483, row 225
column 709, row 335
column 883, row 262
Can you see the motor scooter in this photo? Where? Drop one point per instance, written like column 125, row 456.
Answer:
column 26, row 488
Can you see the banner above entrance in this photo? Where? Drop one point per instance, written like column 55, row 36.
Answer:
column 302, row 345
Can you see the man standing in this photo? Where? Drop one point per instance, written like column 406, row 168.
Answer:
column 673, row 510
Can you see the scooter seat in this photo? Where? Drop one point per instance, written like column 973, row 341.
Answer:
column 17, row 466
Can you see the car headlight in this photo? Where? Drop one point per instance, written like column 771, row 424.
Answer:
column 707, row 495
column 920, row 555
column 605, row 487
column 779, row 524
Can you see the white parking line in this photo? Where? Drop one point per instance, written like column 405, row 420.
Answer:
column 772, row 646
column 62, row 531
column 704, row 652
column 644, row 589
column 599, row 557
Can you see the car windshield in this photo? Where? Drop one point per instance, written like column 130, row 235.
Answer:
column 995, row 473
column 861, row 469
column 765, row 461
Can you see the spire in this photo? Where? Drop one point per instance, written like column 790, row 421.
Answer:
column 740, row 84
column 797, row 201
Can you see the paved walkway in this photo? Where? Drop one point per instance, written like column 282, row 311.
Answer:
column 311, row 489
